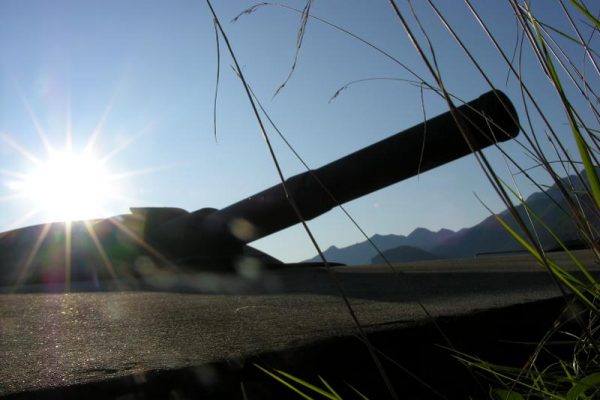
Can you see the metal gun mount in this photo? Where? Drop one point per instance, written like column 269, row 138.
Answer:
column 210, row 238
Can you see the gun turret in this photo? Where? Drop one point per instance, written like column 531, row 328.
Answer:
column 210, row 237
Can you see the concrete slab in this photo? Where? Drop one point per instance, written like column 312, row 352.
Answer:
column 58, row 340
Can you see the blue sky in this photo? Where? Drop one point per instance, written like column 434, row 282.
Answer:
column 142, row 74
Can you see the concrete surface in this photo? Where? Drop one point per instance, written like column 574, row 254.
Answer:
column 59, row 340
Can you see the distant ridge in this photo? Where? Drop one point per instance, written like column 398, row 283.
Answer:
column 363, row 253
column 404, row 254
column 488, row 236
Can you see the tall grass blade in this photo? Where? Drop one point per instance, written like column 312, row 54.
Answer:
column 564, row 34
column 582, row 146
column 362, row 396
column 583, row 9
column 299, row 39
column 249, row 11
column 217, row 78
column 520, row 239
column 308, row 385
column 328, row 386
column 585, row 384
column 284, row 382
column 579, row 265
column 504, row 394
column 505, row 375
column 293, row 204
column 554, row 268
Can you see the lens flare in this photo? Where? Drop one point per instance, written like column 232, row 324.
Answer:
column 69, row 186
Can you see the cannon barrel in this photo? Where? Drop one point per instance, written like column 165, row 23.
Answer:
column 486, row 120
column 131, row 246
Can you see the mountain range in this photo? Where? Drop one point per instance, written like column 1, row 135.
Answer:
column 488, row 236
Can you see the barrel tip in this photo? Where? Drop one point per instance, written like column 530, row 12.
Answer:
column 501, row 113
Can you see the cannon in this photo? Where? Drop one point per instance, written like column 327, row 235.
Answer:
column 210, row 239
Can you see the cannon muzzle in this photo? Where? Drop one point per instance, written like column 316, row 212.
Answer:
column 487, row 120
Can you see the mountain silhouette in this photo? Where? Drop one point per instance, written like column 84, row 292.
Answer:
column 364, row 252
column 488, row 236
column 404, row 254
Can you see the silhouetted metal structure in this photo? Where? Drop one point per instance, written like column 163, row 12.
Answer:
column 210, row 238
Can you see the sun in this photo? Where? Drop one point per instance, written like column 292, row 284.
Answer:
column 68, row 181
column 69, row 186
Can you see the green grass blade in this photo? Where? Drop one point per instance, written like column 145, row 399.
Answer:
column 585, row 12
column 553, row 266
column 307, row 385
column 518, row 237
column 577, row 392
column 284, row 382
column 362, row 396
column 531, row 212
column 504, row 394
column 331, row 390
column 568, row 282
column 563, row 34
column 584, row 152
column 501, row 376
column 582, row 146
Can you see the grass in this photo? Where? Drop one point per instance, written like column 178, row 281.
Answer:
column 304, row 388
column 566, row 54
column 577, row 377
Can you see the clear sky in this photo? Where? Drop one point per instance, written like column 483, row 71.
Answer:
column 136, row 79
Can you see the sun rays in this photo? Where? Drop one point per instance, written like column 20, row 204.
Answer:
column 64, row 185
column 64, row 182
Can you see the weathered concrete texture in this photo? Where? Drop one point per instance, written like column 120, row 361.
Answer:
column 60, row 340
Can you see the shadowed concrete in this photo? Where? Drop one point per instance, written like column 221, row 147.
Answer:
column 60, row 340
